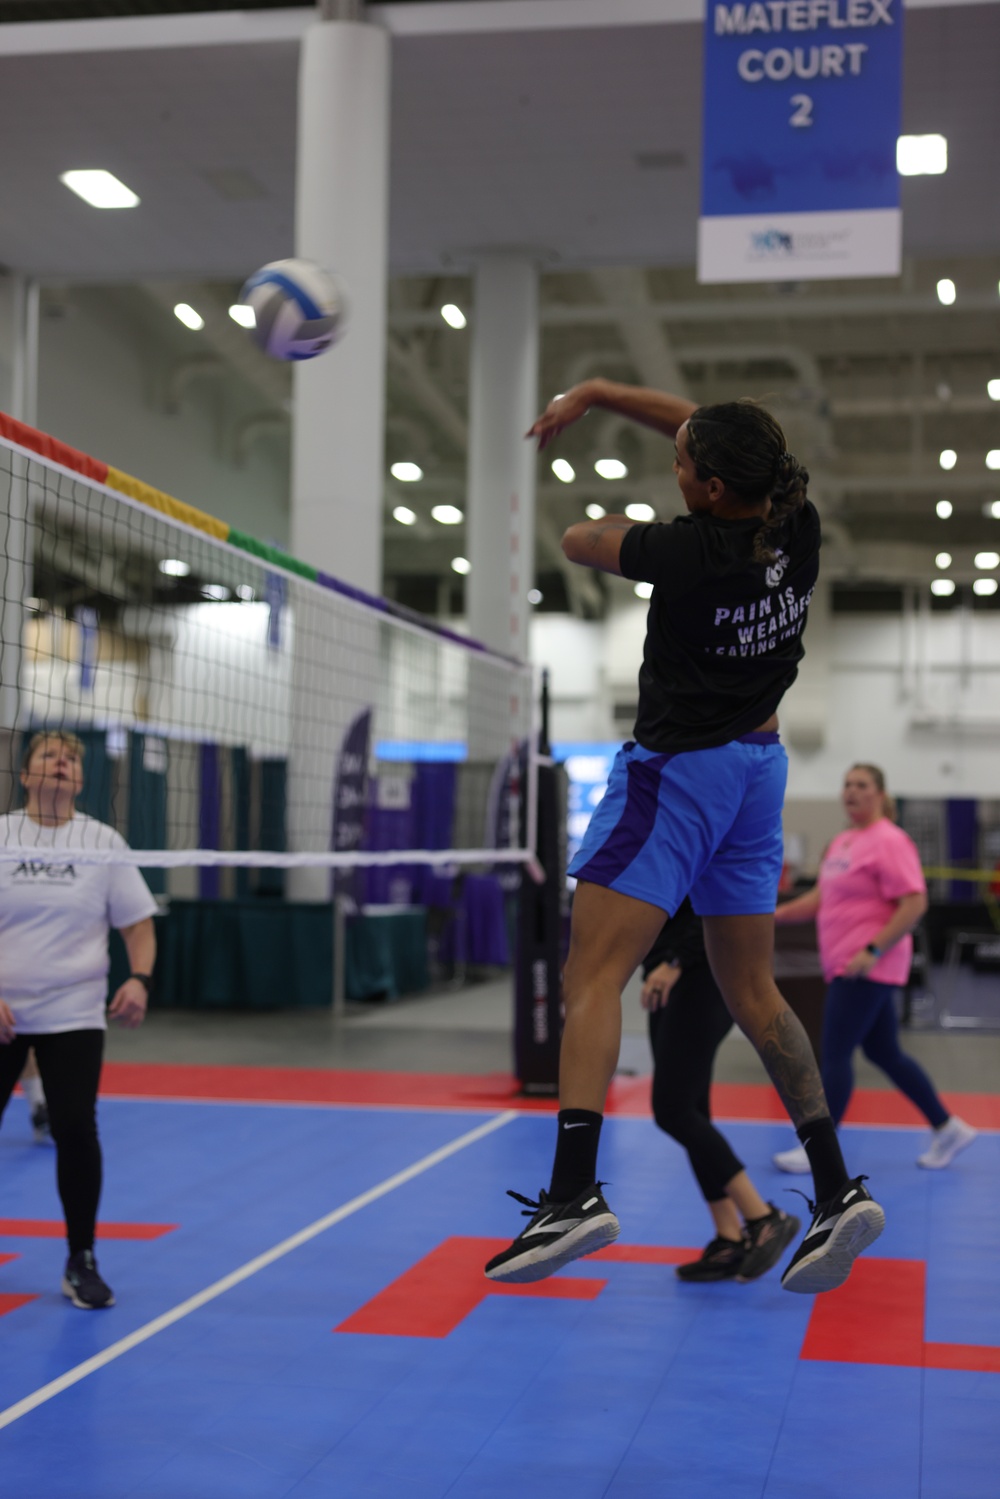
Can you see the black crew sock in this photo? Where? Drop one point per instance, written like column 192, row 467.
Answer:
column 822, row 1147
column 575, row 1165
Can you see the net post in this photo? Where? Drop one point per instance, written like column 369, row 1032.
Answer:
column 339, row 957
column 14, row 572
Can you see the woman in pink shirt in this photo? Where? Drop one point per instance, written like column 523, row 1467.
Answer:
column 871, row 894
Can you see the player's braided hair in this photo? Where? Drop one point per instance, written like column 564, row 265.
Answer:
column 742, row 444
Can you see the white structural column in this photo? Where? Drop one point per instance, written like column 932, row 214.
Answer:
column 503, row 402
column 338, row 424
column 341, row 222
column 21, row 325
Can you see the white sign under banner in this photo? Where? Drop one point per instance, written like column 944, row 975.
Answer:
column 801, row 117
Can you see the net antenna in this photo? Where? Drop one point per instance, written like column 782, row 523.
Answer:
column 218, row 685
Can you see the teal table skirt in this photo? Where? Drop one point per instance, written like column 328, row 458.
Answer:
column 258, row 955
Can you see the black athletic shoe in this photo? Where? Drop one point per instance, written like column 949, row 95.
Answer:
column 82, row 1284
column 558, row 1233
column 767, row 1240
column 40, row 1125
column 721, row 1260
column 840, row 1230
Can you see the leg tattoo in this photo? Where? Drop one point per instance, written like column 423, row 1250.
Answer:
column 784, row 1049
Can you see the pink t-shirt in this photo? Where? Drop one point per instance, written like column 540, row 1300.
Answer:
column 864, row 874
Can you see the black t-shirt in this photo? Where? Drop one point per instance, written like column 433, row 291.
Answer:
column 724, row 633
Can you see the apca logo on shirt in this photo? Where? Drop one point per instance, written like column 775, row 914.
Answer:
column 36, row 869
column 776, row 571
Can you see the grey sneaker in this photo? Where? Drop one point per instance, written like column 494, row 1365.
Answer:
column 82, row 1284
column 40, row 1125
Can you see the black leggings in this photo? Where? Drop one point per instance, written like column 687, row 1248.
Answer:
column 70, row 1068
column 862, row 1012
column 686, row 1034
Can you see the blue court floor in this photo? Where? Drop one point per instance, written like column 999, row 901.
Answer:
column 627, row 1384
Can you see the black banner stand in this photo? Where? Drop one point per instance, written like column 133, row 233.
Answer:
column 541, row 910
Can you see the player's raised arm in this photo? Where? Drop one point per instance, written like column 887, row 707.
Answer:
column 597, row 543
column 652, row 408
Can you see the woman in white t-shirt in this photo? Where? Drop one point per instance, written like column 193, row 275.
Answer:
column 55, row 916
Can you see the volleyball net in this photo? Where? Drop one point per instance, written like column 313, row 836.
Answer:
column 238, row 706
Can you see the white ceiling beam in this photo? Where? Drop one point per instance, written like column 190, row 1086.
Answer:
column 643, row 335
column 770, row 310
column 450, row 18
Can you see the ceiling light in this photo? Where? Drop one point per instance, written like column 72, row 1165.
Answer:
column 244, row 315
column 448, row 515
column 404, row 515
column 986, row 560
column 985, row 586
column 563, row 470
column 643, row 590
column 407, row 473
column 610, row 468
column 595, row 512
column 921, row 155
column 942, row 560
column 186, row 314
column 217, row 592
column 948, row 458
column 992, row 509
column 453, row 316
column 993, row 458
column 534, row 595
column 461, row 565
column 245, row 593
column 993, row 389
column 946, row 292
column 100, row 189
column 942, row 588
column 174, row 567
column 943, row 509
column 640, row 512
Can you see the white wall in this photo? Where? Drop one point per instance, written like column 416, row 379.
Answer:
column 104, row 370
column 919, row 697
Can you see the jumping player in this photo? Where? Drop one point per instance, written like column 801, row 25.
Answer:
column 693, row 805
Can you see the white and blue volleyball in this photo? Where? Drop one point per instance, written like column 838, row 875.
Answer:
column 298, row 309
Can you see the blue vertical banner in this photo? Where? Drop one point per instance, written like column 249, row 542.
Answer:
column 350, row 793
column 802, row 109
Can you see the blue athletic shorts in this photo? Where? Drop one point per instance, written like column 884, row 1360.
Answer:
column 704, row 823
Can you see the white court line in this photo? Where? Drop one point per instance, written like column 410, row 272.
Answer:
column 194, row 1303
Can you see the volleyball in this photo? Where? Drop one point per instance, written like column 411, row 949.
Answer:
column 298, row 309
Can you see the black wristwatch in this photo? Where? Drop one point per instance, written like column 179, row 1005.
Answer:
column 145, row 979
column 876, row 952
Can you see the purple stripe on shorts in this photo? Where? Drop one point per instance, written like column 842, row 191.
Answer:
column 633, row 827
column 760, row 736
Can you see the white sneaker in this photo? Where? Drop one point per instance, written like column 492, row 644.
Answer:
column 946, row 1143
column 795, row 1162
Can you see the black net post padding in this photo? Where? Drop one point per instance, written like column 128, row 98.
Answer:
column 541, row 923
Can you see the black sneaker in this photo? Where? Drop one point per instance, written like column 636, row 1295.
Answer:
column 82, row 1284
column 840, row 1230
column 558, row 1233
column 720, row 1260
column 40, row 1125
column 767, row 1240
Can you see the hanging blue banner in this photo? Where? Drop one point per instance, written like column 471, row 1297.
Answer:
column 801, row 116
column 350, row 794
